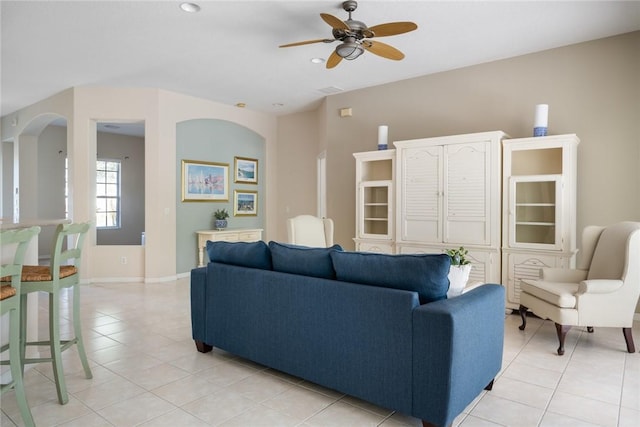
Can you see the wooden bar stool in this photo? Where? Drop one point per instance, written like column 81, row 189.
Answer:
column 10, row 303
column 63, row 272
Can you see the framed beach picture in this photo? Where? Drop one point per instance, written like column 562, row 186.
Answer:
column 245, row 170
column 245, row 203
column 205, row 181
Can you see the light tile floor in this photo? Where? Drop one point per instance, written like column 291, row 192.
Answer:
column 147, row 372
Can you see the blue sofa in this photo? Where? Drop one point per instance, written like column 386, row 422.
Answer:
column 377, row 327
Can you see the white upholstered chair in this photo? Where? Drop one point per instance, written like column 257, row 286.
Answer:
column 602, row 292
column 308, row 230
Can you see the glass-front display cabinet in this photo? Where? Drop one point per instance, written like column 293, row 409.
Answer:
column 375, row 201
column 539, row 208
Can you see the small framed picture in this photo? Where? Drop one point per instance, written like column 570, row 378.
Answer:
column 205, row 181
column 246, row 170
column 245, row 203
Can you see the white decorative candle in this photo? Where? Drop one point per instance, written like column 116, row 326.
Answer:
column 541, row 121
column 383, row 135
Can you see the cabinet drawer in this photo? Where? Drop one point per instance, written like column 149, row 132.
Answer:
column 380, row 248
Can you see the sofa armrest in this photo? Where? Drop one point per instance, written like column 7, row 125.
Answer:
column 198, row 303
column 457, row 351
column 562, row 275
column 599, row 286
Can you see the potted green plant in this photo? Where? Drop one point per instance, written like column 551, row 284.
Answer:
column 459, row 270
column 220, row 219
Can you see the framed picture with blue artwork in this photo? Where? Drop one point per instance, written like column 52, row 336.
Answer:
column 245, row 170
column 205, row 181
column 245, row 203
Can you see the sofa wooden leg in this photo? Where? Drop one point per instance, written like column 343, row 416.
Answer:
column 628, row 337
column 562, row 333
column 489, row 386
column 203, row 347
column 523, row 316
column 428, row 424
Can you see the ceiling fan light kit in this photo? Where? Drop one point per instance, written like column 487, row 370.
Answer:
column 355, row 37
column 350, row 49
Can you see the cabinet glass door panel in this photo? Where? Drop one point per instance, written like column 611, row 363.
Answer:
column 375, row 209
column 534, row 211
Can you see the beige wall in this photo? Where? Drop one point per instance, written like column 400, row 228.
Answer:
column 160, row 110
column 593, row 90
column 296, row 176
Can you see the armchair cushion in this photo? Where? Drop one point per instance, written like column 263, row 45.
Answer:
column 243, row 254
column 303, row 260
column 425, row 274
column 558, row 294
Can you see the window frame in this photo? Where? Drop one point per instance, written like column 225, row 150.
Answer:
column 107, row 196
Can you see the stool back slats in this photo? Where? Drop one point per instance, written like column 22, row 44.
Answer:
column 21, row 237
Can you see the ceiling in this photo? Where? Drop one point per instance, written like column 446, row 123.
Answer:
column 228, row 52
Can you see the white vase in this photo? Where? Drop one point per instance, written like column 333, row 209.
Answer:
column 458, row 278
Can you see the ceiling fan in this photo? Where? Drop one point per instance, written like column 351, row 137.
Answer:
column 355, row 37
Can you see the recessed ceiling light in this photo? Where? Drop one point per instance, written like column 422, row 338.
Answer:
column 317, row 60
column 241, row 105
column 278, row 104
column 190, row 7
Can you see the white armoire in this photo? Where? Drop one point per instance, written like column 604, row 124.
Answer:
column 510, row 202
column 539, row 208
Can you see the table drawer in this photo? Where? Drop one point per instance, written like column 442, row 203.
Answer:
column 226, row 238
column 249, row 236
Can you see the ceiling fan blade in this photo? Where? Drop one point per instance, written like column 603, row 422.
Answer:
column 308, row 42
column 333, row 60
column 392, row 28
column 383, row 49
column 336, row 23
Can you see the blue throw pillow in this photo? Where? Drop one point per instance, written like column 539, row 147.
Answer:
column 244, row 254
column 295, row 259
column 424, row 274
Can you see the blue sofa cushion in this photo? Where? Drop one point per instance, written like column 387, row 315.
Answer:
column 296, row 259
column 243, row 254
column 424, row 274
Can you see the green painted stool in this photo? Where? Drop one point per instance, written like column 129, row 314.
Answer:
column 63, row 272
column 10, row 303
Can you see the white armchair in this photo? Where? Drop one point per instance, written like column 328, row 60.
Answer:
column 308, row 230
column 602, row 292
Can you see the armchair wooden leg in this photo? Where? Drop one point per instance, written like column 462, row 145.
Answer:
column 523, row 316
column 590, row 329
column 489, row 386
column 562, row 333
column 628, row 337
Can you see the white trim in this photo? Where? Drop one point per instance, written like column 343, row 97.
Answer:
column 321, row 190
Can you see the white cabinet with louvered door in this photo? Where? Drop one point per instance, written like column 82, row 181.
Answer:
column 448, row 194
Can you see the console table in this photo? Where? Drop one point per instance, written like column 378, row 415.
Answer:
column 226, row 235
